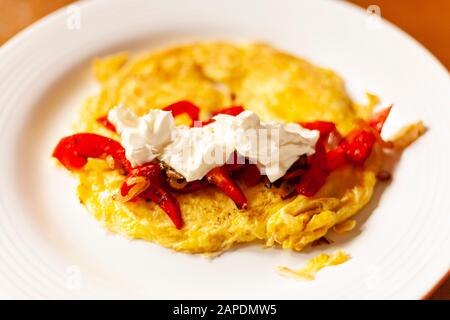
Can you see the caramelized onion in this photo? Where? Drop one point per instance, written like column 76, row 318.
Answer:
column 110, row 162
column 139, row 185
column 173, row 174
column 176, row 180
column 286, row 190
column 177, row 183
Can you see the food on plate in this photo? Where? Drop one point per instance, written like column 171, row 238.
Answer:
column 315, row 264
column 167, row 150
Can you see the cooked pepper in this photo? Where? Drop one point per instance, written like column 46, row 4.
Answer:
column 150, row 171
column 375, row 125
column 235, row 162
column 184, row 106
column 248, row 171
column 324, row 127
column 73, row 151
column 192, row 186
column 157, row 191
column 314, row 177
column 336, row 158
column 232, row 167
column 232, row 111
column 358, row 145
column 166, row 201
column 106, row 123
column 294, row 174
column 379, row 119
column 250, row 174
column 354, row 149
column 220, row 177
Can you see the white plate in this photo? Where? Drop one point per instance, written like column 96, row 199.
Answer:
column 50, row 247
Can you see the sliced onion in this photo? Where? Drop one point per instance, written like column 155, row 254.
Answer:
column 110, row 162
column 286, row 190
column 139, row 185
column 173, row 174
column 177, row 183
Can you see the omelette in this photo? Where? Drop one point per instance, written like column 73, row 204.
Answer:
column 274, row 85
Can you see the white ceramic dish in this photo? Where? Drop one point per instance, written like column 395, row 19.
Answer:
column 50, row 247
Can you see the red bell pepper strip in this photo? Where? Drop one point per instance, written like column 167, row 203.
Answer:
column 235, row 162
column 232, row 167
column 248, row 171
column 251, row 174
column 157, row 192
column 311, row 182
column 192, row 186
column 184, row 106
column 166, row 201
column 336, row 158
column 106, row 123
column 358, row 145
column 314, row 177
column 379, row 119
column 151, row 171
column 220, row 177
column 354, row 149
column 375, row 125
column 232, row 111
column 73, row 151
column 324, row 127
column 297, row 173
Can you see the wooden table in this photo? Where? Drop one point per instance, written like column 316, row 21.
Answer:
column 427, row 21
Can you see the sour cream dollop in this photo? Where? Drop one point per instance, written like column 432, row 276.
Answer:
column 192, row 152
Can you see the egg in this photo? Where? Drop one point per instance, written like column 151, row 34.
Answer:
column 315, row 264
column 275, row 85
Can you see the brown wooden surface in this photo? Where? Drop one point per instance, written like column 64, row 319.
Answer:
column 427, row 21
